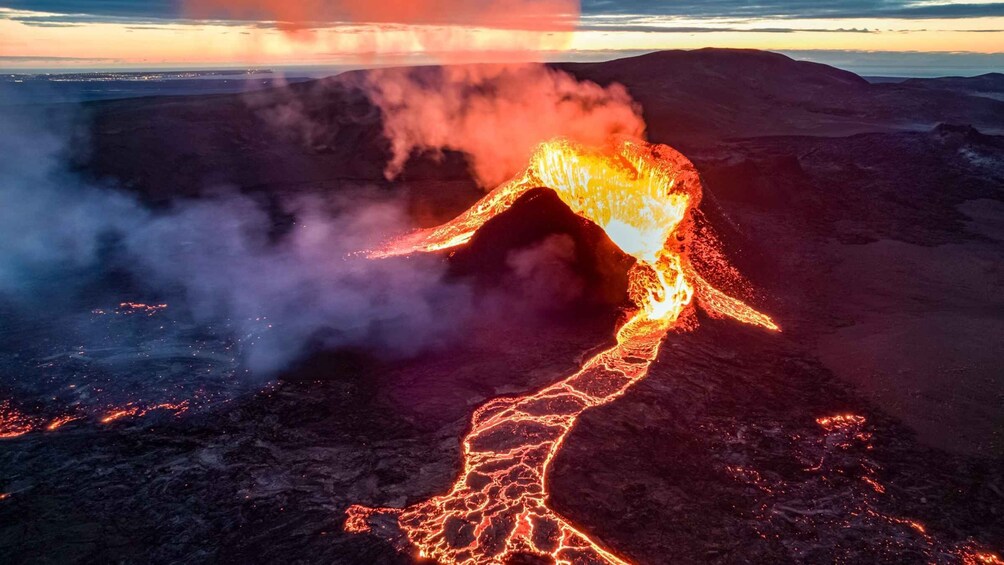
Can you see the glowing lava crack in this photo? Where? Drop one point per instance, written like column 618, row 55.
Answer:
column 641, row 195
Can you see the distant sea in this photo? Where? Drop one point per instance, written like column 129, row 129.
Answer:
column 53, row 87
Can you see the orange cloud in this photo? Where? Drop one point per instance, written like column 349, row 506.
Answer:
column 453, row 31
column 296, row 16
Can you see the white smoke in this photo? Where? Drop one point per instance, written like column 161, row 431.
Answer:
column 220, row 257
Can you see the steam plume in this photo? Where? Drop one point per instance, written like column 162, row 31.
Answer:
column 218, row 257
column 496, row 114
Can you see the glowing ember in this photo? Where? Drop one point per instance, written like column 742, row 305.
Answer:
column 137, row 411
column 12, row 422
column 840, row 422
column 176, row 407
column 59, row 422
column 119, row 414
column 876, row 486
column 980, row 558
column 641, row 196
column 139, row 308
column 845, row 430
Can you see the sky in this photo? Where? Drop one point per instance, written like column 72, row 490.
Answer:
column 905, row 37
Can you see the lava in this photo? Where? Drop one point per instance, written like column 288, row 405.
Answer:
column 59, row 422
column 840, row 422
column 642, row 196
column 118, row 414
column 12, row 422
column 139, row 411
column 139, row 308
column 844, row 429
column 971, row 557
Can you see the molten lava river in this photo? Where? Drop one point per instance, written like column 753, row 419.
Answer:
column 643, row 197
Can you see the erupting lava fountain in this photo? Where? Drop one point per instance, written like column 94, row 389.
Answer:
column 642, row 196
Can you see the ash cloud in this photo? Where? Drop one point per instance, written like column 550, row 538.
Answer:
column 219, row 257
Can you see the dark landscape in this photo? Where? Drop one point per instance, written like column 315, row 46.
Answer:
column 96, row 85
column 868, row 218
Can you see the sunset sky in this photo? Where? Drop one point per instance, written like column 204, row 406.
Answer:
column 907, row 34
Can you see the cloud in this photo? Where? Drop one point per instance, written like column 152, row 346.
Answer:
column 653, row 28
column 800, row 9
column 407, row 12
column 161, row 9
column 30, row 58
column 543, row 15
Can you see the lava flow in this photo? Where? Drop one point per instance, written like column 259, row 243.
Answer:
column 12, row 422
column 133, row 410
column 642, row 196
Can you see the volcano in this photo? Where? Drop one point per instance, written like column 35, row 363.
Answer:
column 641, row 197
column 865, row 218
